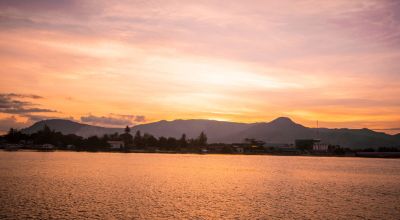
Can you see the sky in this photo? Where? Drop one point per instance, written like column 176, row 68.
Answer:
column 118, row 63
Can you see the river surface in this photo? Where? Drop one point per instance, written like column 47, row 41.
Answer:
column 176, row 186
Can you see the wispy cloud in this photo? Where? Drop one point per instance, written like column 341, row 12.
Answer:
column 113, row 119
column 236, row 60
column 11, row 106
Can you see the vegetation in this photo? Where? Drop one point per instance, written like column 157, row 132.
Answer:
column 387, row 149
column 93, row 143
column 46, row 135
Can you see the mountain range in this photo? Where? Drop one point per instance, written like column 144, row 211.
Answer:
column 280, row 130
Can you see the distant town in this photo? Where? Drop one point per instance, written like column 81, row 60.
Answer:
column 48, row 139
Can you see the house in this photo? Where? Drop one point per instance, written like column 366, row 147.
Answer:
column 238, row 149
column 116, row 145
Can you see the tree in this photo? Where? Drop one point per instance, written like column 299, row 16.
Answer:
column 46, row 135
column 104, row 141
column 182, row 142
column 93, row 142
column 127, row 129
column 114, row 137
column 127, row 138
column 227, row 150
column 172, row 143
column 150, row 140
column 162, row 142
column 138, row 140
column 202, row 139
column 13, row 135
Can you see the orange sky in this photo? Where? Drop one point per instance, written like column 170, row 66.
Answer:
column 116, row 64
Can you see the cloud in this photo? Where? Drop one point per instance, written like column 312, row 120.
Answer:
column 23, row 96
column 9, row 105
column 113, row 119
column 35, row 118
column 241, row 59
column 388, row 129
column 25, row 110
column 69, row 8
column 140, row 118
column 12, row 122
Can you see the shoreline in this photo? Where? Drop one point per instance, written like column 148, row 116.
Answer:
column 378, row 155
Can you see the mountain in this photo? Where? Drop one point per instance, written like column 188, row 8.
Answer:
column 192, row 128
column 284, row 130
column 280, row 130
column 70, row 127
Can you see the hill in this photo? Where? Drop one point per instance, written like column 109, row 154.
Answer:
column 280, row 130
column 192, row 128
column 70, row 127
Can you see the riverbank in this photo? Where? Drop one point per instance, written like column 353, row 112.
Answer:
column 357, row 154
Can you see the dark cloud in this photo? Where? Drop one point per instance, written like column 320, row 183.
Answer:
column 13, row 95
column 25, row 110
column 35, row 118
column 8, row 104
column 140, row 118
column 11, row 122
column 76, row 9
column 113, row 119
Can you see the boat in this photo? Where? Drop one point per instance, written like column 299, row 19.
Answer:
column 12, row 147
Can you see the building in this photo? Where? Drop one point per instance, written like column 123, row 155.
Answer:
column 116, row 145
column 238, row 149
column 321, row 146
column 253, row 141
column 305, row 144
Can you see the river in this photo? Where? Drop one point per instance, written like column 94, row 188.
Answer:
column 186, row 186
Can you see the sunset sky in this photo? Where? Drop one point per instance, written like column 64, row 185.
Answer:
column 121, row 63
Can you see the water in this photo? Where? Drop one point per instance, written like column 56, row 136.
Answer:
column 149, row 186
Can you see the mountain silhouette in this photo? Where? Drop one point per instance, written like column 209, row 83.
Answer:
column 280, row 130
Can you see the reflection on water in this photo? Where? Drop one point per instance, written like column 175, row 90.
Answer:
column 148, row 186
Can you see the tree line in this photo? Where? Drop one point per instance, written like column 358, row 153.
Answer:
column 138, row 141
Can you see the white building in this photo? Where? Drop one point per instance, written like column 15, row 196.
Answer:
column 116, row 144
column 320, row 146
